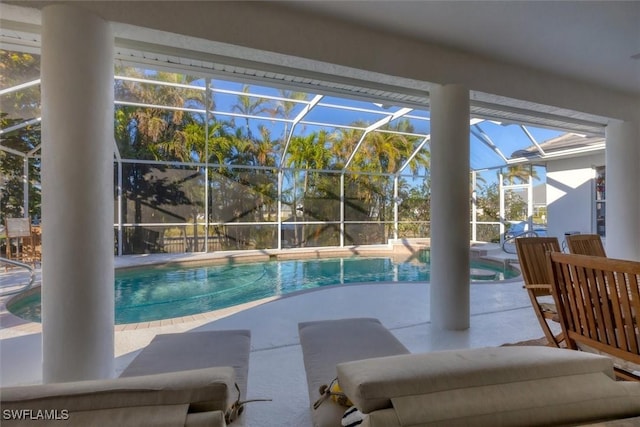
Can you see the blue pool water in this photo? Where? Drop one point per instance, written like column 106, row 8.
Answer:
column 149, row 294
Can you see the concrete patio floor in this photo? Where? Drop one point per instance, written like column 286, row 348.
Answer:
column 500, row 313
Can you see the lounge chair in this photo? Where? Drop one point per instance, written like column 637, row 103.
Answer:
column 501, row 386
column 186, row 379
column 329, row 342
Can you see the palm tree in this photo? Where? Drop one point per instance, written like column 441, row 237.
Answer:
column 241, row 149
column 267, row 183
column 250, row 106
column 263, row 148
column 344, row 142
column 285, row 108
column 307, row 153
column 158, row 134
column 384, row 152
column 520, row 173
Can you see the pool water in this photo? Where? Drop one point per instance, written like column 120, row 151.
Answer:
column 148, row 294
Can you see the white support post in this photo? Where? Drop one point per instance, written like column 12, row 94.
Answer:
column 77, row 195
column 530, row 198
column 474, row 206
column 450, row 278
column 25, row 184
column 623, row 192
column 280, row 178
column 396, row 184
column 207, row 227
column 501, row 202
column 342, row 200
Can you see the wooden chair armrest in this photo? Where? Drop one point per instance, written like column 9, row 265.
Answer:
column 545, row 286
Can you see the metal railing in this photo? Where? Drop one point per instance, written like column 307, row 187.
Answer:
column 32, row 277
column 509, row 245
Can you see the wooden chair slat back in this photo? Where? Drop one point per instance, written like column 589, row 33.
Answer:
column 585, row 244
column 532, row 255
column 598, row 301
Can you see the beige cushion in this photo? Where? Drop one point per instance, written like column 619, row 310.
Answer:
column 371, row 383
column 381, row 418
column 203, row 389
column 168, row 415
column 624, row 364
column 329, row 342
column 206, row 419
column 625, row 422
column 563, row 400
column 195, row 350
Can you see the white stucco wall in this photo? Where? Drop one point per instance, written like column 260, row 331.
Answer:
column 570, row 199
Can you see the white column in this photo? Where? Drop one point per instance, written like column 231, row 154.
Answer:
column 77, row 195
column 622, row 190
column 450, row 291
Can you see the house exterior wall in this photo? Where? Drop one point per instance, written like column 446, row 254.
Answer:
column 570, row 195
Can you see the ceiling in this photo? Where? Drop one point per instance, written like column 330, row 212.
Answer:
column 593, row 41
column 522, row 32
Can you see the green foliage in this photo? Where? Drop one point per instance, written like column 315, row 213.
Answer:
column 161, row 130
column 488, row 203
column 519, row 174
column 19, row 107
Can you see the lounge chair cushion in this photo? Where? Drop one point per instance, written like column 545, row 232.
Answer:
column 618, row 362
column 329, row 342
column 205, row 419
column 382, row 418
column 195, row 350
column 371, row 383
column 506, row 386
column 199, row 389
column 167, row 415
column 565, row 400
column 186, row 379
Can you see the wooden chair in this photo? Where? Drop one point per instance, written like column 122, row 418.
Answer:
column 532, row 255
column 19, row 234
column 585, row 244
column 598, row 302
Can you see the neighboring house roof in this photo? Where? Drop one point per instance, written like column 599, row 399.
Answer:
column 569, row 141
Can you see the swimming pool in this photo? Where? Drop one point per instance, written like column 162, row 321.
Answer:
column 155, row 293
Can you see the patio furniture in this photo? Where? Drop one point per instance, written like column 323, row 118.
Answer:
column 195, row 350
column 20, row 235
column 186, row 379
column 532, row 255
column 501, row 386
column 585, row 244
column 598, row 300
column 326, row 343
